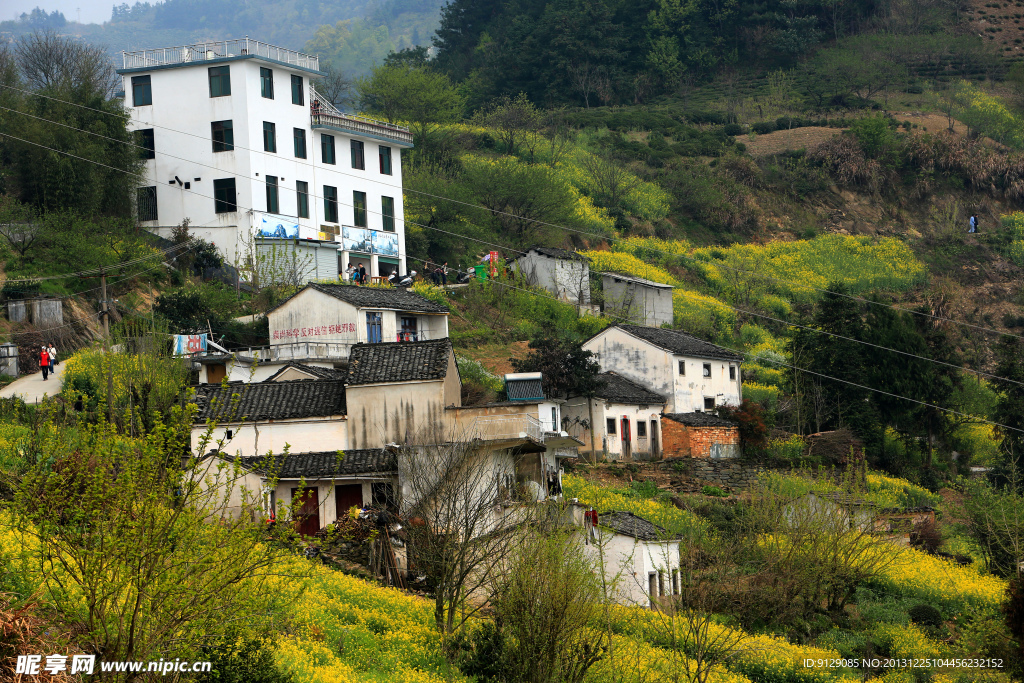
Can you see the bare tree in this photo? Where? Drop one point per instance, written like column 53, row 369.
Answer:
column 49, row 60
column 584, row 79
column 336, row 87
column 514, row 119
column 457, row 496
column 17, row 225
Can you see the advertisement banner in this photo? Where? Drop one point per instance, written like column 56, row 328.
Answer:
column 356, row 239
column 187, row 344
column 385, row 243
column 277, row 226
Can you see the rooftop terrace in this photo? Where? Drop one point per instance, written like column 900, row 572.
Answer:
column 221, row 49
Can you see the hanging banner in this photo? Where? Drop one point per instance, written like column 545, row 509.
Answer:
column 278, row 226
column 188, row 344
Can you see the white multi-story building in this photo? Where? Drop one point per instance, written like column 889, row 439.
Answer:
column 239, row 142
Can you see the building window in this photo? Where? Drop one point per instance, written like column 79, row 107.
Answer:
column 330, row 204
column 146, row 199
column 358, row 159
column 610, row 426
column 327, row 149
column 297, row 90
column 302, row 190
column 299, row 138
column 267, row 83
column 641, row 429
column 142, row 91
column 709, row 404
column 224, row 195
column 220, row 81
column 408, row 332
column 682, row 368
column 387, row 213
column 359, row 209
column 707, row 369
column 385, row 159
column 269, row 137
column 732, row 372
column 223, row 136
column 272, row 203
column 146, row 143
column 373, row 328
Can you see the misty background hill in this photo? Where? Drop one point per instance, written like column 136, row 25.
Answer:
column 352, row 35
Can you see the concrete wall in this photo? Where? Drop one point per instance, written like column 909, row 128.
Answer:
column 326, row 488
column 229, row 490
column 699, row 442
column 567, row 279
column 181, row 102
column 39, row 312
column 610, row 445
column 319, row 317
column 658, row 370
column 643, row 304
column 260, row 438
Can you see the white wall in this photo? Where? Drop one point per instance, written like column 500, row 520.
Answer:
column 260, row 438
column 181, row 114
column 658, row 370
column 567, row 279
column 611, row 444
column 629, row 562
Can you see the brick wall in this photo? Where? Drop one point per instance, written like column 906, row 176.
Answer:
column 682, row 441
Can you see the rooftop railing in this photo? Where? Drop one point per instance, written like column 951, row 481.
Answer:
column 506, row 427
column 201, row 52
column 296, row 351
column 324, row 114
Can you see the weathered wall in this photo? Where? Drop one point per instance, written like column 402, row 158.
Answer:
column 567, row 280
column 258, row 438
column 610, row 445
column 651, row 306
column 700, row 442
column 630, row 562
column 734, row 474
column 394, row 413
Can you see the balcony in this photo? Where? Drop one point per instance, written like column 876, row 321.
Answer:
column 323, row 115
column 506, row 428
column 297, row 351
column 204, row 52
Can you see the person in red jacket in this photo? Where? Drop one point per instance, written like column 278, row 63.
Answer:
column 44, row 362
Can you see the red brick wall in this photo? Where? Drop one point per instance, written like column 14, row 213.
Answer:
column 679, row 440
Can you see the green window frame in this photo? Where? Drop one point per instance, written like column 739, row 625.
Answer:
column 142, row 91
column 269, row 137
column 146, row 203
column 387, row 213
column 327, row 149
column 302, row 198
column 385, row 159
column 359, row 209
column 299, row 139
column 220, row 81
column 267, row 83
column 358, row 157
column 223, row 134
column 330, row 204
column 273, row 205
column 298, row 91
column 224, row 198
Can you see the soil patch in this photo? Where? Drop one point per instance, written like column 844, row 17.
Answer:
column 785, row 140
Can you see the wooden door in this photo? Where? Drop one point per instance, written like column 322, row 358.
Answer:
column 346, row 496
column 307, row 516
column 626, row 438
column 655, row 453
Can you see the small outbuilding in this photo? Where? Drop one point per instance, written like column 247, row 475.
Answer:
column 625, row 419
column 641, row 301
column 566, row 274
column 700, row 435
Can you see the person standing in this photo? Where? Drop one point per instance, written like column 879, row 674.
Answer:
column 44, row 362
column 350, row 273
column 362, row 274
column 444, row 274
column 972, row 222
column 51, row 351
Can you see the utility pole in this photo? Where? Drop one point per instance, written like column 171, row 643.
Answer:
column 103, row 305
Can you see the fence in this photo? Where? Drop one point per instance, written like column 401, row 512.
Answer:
column 199, row 52
column 504, row 427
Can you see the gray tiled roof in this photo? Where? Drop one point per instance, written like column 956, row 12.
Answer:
column 617, row 389
column 554, row 252
column 638, row 280
column 324, row 464
column 630, row 525
column 315, row 370
column 681, row 343
column 398, row 362
column 270, row 400
column 374, row 297
column 700, row 420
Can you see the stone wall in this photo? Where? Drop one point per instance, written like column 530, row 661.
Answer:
column 730, row 473
column 684, row 441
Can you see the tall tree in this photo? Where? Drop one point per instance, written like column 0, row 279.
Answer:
column 568, row 369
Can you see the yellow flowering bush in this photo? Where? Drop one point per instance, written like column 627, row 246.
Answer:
column 702, row 315
column 901, row 492
column 1014, row 223
column 935, row 580
column 604, row 500
column 642, row 199
column 905, row 642
column 987, row 115
column 90, row 372
column 619, row 262
column 765, row 394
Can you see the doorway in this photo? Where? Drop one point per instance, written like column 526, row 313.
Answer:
column 307, row 517
column 626, row 439
column 347, row 496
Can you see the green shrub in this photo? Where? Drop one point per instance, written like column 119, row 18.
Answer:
column 763, row 127
column 237, row 659
column 924, row 614
column 713, row 491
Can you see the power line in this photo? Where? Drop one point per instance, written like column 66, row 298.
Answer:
column 674, row 287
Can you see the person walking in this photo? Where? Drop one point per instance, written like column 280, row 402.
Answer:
column 51, row 351
column 44, row 362
column 972, row 222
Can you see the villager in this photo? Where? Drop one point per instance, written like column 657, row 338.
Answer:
column 350, row 273
column 52, row 353
column 44, row 362
column 590, row 525
column 444, row 274
column 972, row 223
column 362, row 274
